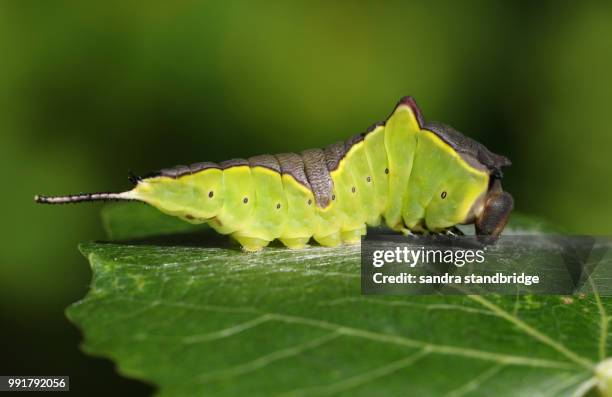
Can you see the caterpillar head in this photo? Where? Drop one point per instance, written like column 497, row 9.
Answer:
column 494, row 214
column 490, row 212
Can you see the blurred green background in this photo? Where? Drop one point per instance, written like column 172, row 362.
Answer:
column 90, row 90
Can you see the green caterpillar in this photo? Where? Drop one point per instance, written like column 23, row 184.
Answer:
column 422, row 177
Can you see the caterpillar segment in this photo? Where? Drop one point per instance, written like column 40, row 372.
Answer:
column 417, row 176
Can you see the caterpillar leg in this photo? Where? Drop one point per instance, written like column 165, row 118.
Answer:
column 353, row 236
column 451, row 231
column 331, row 240
column 454, row 231
column 416, row 230
column 251, row 244
column 295, row 243
column 408, row 232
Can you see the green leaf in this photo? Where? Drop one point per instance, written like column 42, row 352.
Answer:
column 206, row 319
